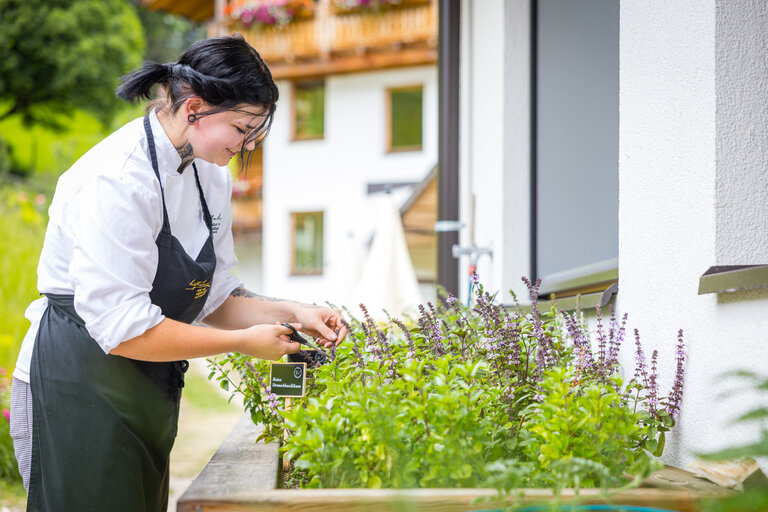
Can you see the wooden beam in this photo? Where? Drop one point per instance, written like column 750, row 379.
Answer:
column 195, row 10
column 343, row 64
column 433, row 500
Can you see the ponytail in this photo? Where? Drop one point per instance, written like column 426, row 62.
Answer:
column 138, row 84
column 226, row 72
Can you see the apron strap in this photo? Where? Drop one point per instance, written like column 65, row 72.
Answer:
column 155, row 167
column 66, row 305
column 206, row 213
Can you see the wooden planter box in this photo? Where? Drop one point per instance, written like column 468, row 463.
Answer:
column 242, row 476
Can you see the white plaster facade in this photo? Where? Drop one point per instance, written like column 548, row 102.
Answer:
column 332, row 174
column 693, row 183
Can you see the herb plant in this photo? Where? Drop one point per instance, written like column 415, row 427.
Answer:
column 481, row 396
column 754, row 495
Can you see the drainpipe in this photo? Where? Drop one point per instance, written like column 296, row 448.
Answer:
column 448, row 144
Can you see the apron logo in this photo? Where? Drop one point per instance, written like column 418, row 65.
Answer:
column 199, row 287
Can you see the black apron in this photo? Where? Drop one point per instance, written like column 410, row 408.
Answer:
column 104, row 425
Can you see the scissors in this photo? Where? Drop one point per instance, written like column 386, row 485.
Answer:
column 295, row 336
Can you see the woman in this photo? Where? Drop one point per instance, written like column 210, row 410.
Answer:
column 139, row 247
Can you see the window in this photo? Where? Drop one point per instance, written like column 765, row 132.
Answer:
column 308, row 110
column 576, row 144
column 404, row 115
column 307, row 243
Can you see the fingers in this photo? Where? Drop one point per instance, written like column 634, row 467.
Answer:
column 342, row 334
column 327, row 334
column 291, row 346
column 340, row 327
column 285, row 330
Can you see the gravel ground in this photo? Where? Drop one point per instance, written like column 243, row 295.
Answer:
column 201, row 432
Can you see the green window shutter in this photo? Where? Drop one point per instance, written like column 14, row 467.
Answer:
column 405, row 119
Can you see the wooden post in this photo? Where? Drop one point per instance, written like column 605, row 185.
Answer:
column 286, row 462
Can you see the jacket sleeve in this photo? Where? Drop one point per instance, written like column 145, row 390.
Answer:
column 114, row 257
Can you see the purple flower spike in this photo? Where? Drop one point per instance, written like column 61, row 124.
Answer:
column 600, row 336
column 653, row 386
column 676, row 395
column 641, row 369
column 411, row 346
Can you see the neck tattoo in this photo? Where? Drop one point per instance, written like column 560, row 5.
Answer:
column 187, row 155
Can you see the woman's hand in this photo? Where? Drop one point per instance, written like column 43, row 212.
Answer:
column 325, row 324
column 268, row 342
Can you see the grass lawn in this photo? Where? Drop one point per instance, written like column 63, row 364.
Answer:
column 12, row 496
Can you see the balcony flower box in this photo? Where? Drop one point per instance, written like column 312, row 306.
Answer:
column 277, row 13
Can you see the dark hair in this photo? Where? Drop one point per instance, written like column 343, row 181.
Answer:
column 226, row 72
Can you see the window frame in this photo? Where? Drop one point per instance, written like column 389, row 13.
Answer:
column 595, row 276
column 315, row 271
column 388, row 107
column 297, row 84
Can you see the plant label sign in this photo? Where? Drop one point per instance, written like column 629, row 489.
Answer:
column 288, row 379
column 312, row 357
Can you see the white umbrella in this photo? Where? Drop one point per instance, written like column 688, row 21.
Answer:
column 388, row 280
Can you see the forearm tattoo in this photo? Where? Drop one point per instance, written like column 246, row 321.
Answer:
column 242, row 292
column 187, row 154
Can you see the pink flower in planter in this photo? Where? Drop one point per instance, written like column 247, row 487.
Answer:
column 7, row 415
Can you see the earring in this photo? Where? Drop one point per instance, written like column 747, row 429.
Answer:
column 191, row 118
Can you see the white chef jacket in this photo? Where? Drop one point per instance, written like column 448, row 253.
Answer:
column 100, row 243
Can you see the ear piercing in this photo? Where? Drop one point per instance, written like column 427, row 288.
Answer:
column 191, row 118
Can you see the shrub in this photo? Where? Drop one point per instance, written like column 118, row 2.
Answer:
column 8, row 469
column 755, row 495
column 461, row 396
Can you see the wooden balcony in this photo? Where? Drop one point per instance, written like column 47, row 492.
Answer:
column 331, row 42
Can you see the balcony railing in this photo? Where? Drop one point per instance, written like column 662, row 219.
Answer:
column 329, row 41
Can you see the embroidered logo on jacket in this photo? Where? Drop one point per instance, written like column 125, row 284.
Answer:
column 199, row 287
column 215, row 223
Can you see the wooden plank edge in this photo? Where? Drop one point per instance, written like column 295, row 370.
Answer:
column 674, row 478
column 445, row 500
column 239, row 463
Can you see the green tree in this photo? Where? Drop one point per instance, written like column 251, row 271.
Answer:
column 60, row 55
column 167, row 35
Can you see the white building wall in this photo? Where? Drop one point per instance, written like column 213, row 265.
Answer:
column 331, row 175
column 693, row 178
column 514, row 247
column 495, row 143
column 741, row 60
column 685, row 111
column 493, row 199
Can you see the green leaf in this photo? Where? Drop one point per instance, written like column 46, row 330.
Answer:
column 374, row 482
column 755, row 414
column 302, row 464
